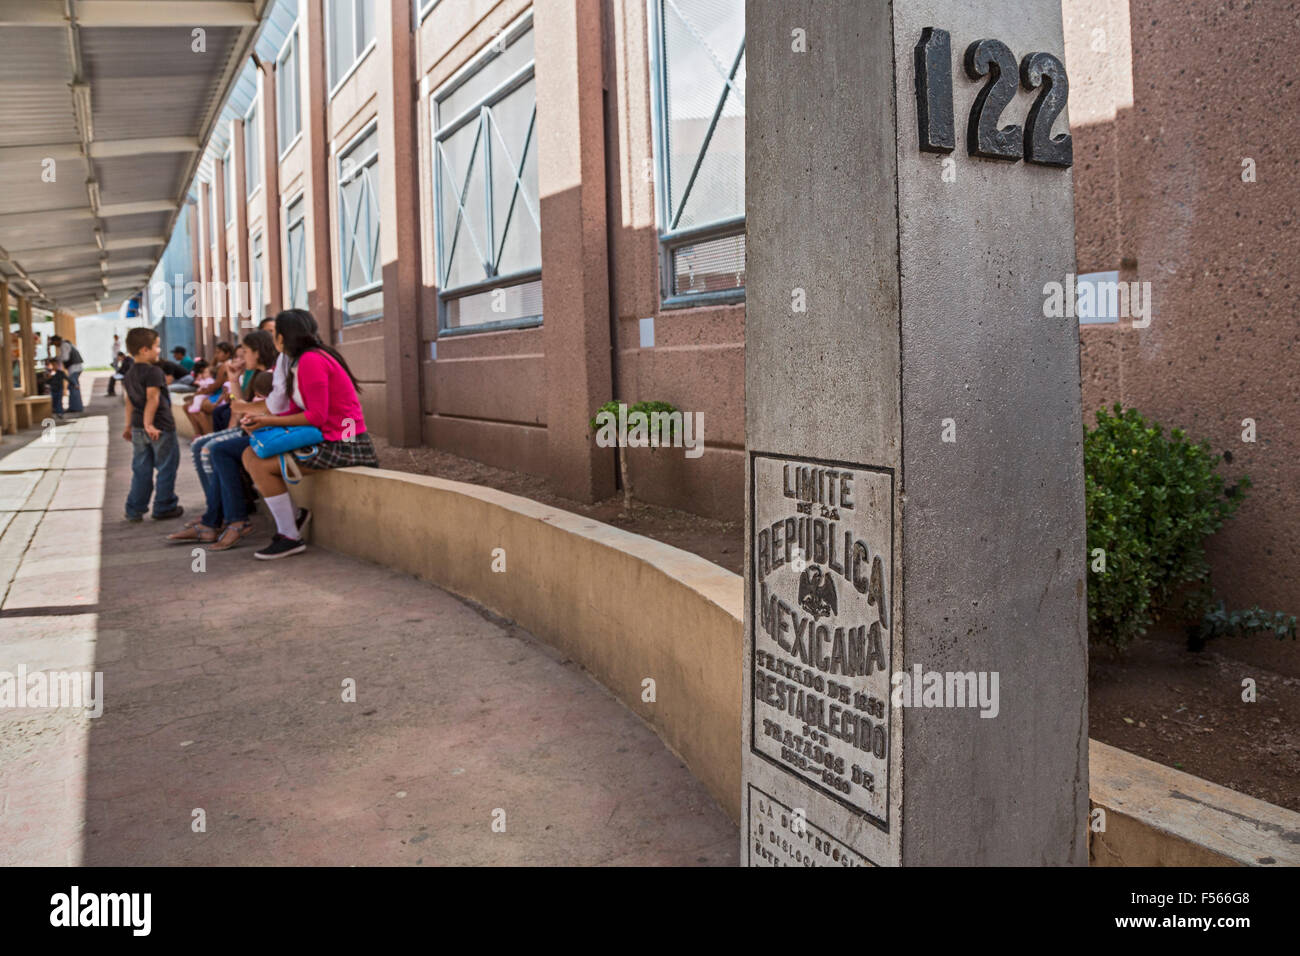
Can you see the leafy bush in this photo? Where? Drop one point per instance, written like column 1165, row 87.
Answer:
column 641, row 413
column 1152, row 501
column 637, row 413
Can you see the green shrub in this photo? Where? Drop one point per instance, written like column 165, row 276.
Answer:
column 1220, row 622
column 639, row 414
column 1152, row 500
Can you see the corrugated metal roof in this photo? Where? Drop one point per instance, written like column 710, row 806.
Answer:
column 276, row 29
column 76, row 189
column 35, row 107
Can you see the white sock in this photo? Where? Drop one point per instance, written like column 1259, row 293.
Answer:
column 282, row 511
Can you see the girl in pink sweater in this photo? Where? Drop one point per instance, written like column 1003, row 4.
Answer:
column 319, row 382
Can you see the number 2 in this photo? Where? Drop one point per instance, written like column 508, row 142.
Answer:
column 992, row 58
column 1046, row 71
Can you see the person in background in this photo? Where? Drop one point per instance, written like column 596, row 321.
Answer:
column 178, row 380
column 178, row 354
column 151, row 431
column 71, row 362
column 116, row 365
column 222, row 353
column 16, row 360
column 200, row 419
column 56, row 380
column 217, row 456
column 267, row 325
column 124, row 363
column 228, row 375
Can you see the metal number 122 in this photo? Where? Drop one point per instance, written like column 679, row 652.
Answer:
column 993, row 61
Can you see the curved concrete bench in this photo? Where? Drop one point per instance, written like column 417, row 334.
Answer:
column 628, row 608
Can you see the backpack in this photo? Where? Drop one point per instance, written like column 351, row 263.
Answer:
column 75, row 357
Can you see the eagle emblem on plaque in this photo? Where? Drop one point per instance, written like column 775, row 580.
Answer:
column 817, row 593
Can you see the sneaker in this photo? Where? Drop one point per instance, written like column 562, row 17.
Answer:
column 174, row 513
column 135, row 519
column 303, row 521
column 280, row 547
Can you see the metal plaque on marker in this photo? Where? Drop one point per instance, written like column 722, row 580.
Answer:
column 822, row 626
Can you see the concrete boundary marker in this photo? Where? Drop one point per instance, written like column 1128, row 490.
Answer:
column 629, row 608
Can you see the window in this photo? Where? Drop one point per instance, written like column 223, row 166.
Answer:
column 488, row 225
column 363, row 294
column 252, row 152
column 296, row 253
column 229, row 186
column 256, row 313
column 351, row 25
column 698, row 49
column 288, row 107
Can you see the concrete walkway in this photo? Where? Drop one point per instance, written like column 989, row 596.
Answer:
column 223, row 693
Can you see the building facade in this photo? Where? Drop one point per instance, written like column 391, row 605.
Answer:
column 507, row 212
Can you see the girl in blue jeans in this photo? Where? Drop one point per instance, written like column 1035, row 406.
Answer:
column 217, row 459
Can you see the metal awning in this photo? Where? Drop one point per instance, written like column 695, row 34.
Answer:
column 105, row 107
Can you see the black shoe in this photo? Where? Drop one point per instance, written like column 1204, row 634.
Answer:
column 303, row 521
column 174, row 513
column 280, row 547
column 135, row 519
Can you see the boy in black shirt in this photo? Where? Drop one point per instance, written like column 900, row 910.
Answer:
column 150, row 429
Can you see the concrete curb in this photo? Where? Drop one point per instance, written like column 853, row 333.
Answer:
column 1157, row 816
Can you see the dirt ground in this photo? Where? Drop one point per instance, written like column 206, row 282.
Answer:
column 1156, row 700
column 1185, row 710
column 722, row 542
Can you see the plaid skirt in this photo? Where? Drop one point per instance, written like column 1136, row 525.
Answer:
column 339, row 454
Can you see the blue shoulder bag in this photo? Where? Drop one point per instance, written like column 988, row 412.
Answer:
column 280, row 440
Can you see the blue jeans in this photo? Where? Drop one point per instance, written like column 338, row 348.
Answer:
column 74, row 394
column 223, row 490
column 162, row 454
column 227, row 460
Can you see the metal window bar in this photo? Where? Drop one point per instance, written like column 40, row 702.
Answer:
column 351, row 217
column 518, row 190
column 671, row 237
column 708, row 135
column 296, row 260
column 487, row 121
column 348, row 242
column 445, row 182
column 699, row 38
column 372, row 222
column 461, row 214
